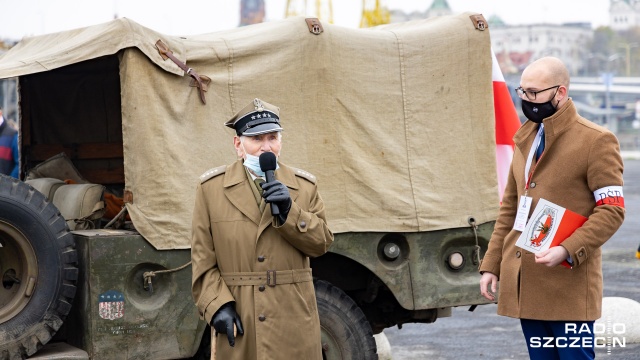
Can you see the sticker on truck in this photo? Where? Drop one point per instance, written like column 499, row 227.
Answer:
column 111, row 305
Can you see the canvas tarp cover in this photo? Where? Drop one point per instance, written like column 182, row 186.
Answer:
column 396, row 121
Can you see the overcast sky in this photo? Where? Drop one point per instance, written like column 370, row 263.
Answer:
column 20, row 18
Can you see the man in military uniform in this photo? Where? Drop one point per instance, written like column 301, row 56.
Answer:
column 250, row 269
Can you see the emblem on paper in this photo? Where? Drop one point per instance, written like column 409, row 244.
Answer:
column 542, row 227
column 111, row 305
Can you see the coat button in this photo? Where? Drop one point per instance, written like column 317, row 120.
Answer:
column 518, row 254
column 261, row 258
column 261, row 288
column 532, row 185
column 581, row 253
column 262, row 317
column 303, row 224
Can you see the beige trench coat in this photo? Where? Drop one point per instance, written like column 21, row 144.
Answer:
column 579, row 158
column 230, row 235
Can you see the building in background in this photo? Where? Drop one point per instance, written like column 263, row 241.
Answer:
column 624, row 14
column 516, row 46
column 437, row 8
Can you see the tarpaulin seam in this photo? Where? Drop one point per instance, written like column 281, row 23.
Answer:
column 406, row 126
column 230, row 72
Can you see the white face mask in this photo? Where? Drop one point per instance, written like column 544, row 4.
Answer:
column 252, row 163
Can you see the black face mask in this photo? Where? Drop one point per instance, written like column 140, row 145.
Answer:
column 537, row 112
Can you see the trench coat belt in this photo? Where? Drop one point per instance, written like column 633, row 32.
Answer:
column 269, row 277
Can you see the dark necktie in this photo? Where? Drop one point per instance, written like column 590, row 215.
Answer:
column 259, row 182
column 540, row 148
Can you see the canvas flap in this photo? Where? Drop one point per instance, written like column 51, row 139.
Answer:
column 47, row 52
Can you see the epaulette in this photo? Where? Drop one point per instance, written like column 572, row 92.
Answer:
column 211, row 173
column 305, row 175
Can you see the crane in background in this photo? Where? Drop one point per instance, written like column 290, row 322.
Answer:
column 323, row 10
column 373, row 14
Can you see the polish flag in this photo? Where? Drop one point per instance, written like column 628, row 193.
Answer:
column 507, row 123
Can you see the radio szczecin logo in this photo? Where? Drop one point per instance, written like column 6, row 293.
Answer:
column 608, row 335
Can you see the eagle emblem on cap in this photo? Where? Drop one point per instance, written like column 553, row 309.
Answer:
column 258, row 104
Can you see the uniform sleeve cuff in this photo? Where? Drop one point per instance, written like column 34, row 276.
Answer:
column 215, row 304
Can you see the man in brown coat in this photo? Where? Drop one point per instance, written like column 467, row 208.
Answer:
column 250, row 269
column 565, row 159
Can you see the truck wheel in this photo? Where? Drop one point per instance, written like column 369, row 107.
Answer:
column 345, row 331
column 37, row 267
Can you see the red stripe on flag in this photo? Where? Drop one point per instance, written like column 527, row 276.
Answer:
column 507, row 122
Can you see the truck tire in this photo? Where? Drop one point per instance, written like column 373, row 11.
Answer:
column 345, row 331
column 37, row 266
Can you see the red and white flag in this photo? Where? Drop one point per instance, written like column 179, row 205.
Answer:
column 507, row 123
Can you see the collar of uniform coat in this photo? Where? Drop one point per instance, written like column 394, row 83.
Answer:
column 235, row 174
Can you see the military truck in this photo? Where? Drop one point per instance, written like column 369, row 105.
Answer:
column 396, row 122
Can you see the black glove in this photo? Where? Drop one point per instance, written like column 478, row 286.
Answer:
column 224, row 319
column 277, row 193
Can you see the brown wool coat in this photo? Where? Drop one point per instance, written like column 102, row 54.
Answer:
column 579, row 158
column 231, row 235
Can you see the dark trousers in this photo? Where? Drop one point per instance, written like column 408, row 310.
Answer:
column 559, row 340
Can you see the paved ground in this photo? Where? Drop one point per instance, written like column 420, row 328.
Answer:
column 484, row 335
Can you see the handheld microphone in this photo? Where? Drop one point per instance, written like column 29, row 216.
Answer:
column 268, row 164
